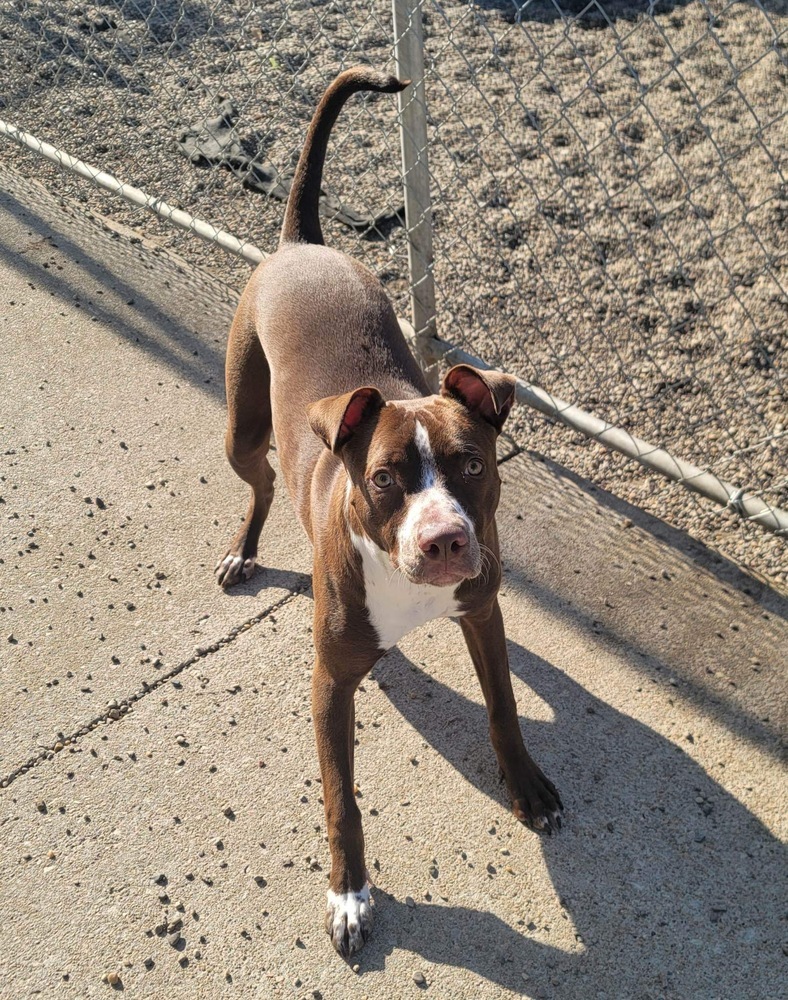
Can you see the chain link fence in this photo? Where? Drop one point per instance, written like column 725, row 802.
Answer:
column 608, row 183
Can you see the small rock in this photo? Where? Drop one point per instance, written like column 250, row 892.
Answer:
column 41, row 806
column 418, row 979
column 112, row 978
column 410, row 901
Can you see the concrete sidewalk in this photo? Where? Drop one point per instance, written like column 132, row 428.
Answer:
column 160, row 815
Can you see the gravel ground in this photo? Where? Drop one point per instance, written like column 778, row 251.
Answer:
column 610, row 200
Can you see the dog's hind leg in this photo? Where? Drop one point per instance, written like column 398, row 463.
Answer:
column 248, row 437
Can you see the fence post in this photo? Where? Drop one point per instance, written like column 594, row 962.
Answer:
column 409, row 56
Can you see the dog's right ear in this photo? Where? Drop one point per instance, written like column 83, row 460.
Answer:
column 336, row 419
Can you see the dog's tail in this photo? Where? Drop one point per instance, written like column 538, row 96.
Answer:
column 302, row 224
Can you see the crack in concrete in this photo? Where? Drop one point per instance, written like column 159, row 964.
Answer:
column 121, row 709
column 117, row 712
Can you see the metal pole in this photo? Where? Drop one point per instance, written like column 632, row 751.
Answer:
column 656, row 459
column 409, row 56
column 184, row 220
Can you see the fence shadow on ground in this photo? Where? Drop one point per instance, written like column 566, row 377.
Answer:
column 723, row 568
column 174, row 345
column 640, row 868
column 674, row 607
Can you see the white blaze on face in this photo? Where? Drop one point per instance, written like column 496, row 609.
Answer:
column 433, row 505
column 429, row 470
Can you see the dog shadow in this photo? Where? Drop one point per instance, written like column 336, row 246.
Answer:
column 671, row 884
column 267, row 578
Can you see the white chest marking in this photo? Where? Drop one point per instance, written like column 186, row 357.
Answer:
column 395, row 605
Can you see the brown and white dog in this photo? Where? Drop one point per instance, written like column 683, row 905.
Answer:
column 396, row 488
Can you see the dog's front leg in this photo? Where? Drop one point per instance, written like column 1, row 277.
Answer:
column 349, row 915
column 535, row 800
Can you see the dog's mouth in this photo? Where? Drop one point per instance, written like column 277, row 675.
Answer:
column 438, row 576
column 447, row 579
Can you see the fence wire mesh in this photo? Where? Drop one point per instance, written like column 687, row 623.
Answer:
column 608, row 183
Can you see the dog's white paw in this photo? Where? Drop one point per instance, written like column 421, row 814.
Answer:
column 349, row 920
column 233, row 569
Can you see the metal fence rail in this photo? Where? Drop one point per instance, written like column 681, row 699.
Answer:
column 608, row 195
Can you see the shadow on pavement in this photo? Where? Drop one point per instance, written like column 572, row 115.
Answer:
column 646, row 656
column 265, row 578
column 670, row 896
column 104, row 262
column 724, row 569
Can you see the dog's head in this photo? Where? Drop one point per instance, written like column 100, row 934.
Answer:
column 423, row 480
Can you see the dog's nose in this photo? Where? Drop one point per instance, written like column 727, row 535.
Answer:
column 442, row 544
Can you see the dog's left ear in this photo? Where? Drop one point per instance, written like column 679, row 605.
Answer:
column 489, row 394
column 336, row 419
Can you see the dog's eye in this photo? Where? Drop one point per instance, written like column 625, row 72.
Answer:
column 475, row 467
column 382, row 479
